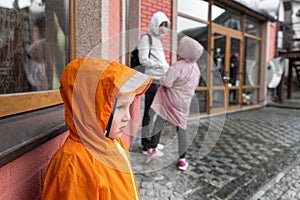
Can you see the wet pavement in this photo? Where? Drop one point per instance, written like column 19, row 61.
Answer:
column 256, row 156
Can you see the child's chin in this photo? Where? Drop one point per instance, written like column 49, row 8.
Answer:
column 118, row 135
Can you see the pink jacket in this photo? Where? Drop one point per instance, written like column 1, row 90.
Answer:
column 173, row 98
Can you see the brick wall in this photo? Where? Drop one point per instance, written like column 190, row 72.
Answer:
column 272, row 40
column 23, row 178
column 148, row 8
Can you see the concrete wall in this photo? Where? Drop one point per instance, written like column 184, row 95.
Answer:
column 89, row 26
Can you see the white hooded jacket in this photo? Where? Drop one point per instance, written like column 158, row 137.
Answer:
column 155, row 66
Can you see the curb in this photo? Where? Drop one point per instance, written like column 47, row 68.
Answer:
column 277, row 105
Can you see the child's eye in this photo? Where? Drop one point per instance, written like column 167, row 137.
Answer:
column 119, row 107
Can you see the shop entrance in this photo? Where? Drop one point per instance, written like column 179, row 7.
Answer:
column 226, row 90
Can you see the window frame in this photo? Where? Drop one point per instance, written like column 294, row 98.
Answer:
column 16, row 103
column 28, row 120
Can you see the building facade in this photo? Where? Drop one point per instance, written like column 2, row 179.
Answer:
column 40, row 37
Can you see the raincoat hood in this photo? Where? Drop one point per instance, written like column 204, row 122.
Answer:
column 89, row 89
column 156, row 20
column 189, row 49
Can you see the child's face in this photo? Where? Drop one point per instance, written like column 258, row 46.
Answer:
column 121, row 116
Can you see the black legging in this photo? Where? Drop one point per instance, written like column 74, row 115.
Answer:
column 148, row 115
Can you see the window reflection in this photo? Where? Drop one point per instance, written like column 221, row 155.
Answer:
column 185, row 24
column 199, row 33
column 234, row 62
column 194, row 8
column 219, row 59
column 252, row 27
column 218, row 98
column 233, row 97
column 250, row 97
column 33, row 44
column 198, row 102
column 226, row 17
column 252, row 60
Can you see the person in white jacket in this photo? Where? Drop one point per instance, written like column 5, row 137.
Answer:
column 156, row 66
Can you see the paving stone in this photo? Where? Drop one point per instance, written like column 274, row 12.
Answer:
column 254, row 147
column 147, row 185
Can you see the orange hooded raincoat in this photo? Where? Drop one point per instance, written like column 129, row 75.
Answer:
column 89, row 165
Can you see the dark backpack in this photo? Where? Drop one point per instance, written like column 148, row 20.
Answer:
column 134, row 57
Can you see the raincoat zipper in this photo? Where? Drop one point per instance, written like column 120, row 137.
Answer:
column 123, row 153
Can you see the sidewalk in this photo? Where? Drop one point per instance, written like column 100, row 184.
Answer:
column 251, row 159
column 293, row 103
column 286, row 185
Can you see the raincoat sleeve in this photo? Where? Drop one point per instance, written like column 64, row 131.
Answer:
column 170, row 77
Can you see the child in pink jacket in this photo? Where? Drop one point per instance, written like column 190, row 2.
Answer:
column 173, row 98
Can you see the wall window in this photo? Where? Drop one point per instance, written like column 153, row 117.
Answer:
column 192, row 21
column 234, row 36
column 251, row 72
column 35, row 47
column 194, row 8
column 199, row 33
column 186, row 24
column 252, row 27
column 34, row 44
column 219, row 59
column 252, row 60
column 226, row 17
column 34, row 50
column 250, row 97
column 198, row 104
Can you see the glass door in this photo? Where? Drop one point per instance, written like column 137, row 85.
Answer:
column 219, row 72
column 226, row 85
column 233, row 72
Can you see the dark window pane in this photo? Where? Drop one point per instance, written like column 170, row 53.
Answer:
column 34, row 45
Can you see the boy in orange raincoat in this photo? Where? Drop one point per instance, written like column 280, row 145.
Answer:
column 94, row 161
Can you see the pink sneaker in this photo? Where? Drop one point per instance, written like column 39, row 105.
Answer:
column 159, row 147
column 182, row 164
column 152, row 154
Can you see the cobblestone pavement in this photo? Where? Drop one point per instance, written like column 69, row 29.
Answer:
column 285, row 186
column 255, row 157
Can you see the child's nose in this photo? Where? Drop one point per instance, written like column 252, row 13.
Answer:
column 126, row 116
